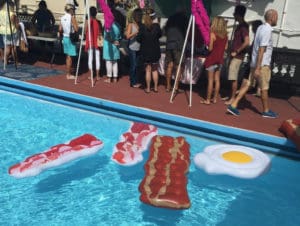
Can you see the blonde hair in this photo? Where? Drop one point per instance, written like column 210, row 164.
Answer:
column 219, row 26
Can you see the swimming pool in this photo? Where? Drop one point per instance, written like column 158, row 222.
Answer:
column 96, row 191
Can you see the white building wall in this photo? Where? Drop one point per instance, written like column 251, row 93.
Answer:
column 287, row 31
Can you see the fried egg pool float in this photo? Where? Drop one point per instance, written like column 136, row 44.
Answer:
column 234, row 160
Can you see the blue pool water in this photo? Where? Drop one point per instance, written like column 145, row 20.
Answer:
column 96, row 191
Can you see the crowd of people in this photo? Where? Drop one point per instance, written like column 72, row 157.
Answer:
column 142, row 31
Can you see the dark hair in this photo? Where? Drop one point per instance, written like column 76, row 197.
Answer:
column 93, row 11
column 43, row 4
column 240, row 10
column 9, row 2
column 255, row 24
column 2, row 2
column 137, row 15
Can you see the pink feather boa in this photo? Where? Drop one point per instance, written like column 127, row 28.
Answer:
column 108, row 16
column 142, row 4
column 201, row 19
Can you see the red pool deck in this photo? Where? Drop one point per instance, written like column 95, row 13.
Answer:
column 250, row 108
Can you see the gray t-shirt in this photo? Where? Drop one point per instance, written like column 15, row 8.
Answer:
column 133, row 43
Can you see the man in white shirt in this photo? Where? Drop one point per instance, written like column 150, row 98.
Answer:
column 260, row 64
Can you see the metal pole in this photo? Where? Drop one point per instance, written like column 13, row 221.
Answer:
column 192, row 59
column 181, row 58
column 13, row 44
column 80, row 48
column 90, row 42
column 282, row 21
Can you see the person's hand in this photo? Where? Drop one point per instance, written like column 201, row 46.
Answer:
column 116, row 43
column 257, row 72
column 233, row 54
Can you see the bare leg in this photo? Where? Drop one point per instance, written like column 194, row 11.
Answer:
column 14, row 54
column 264, row 100
column 69, row 66
column 178, row 77
column 148, row 77
column 243, row 90
column 97, row 74
column 217, row 85
column 6, row 54
column 155, row 79
column 210, row 78
column 1, row 54
column 234, row 85
column 169, row 76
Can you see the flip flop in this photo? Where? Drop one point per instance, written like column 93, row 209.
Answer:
column 146, row 91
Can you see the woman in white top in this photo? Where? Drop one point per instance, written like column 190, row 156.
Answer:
column 67, row 23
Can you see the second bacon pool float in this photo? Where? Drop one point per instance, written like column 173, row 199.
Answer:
column 128, row 151
column 84, row 145
column 165, row 181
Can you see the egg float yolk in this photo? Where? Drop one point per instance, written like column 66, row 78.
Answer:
column 237, row 157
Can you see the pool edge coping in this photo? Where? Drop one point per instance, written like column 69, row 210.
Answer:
column 196, row 127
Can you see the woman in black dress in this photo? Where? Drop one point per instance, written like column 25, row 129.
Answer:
column 149, row 35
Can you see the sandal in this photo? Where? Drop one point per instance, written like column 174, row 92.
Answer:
column 146, row 91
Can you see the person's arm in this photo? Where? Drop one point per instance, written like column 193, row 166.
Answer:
column 60, row 30
column 211, row 41
column 129, row 33
column 15, row 20
column 33, row 18
column 244, row 45
column 52, row 18
column 226, row 46
column 259, row 59
column 74, row 23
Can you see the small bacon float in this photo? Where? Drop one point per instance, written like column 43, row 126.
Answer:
column 132, row 143
column 164, row 183
column 79, row 147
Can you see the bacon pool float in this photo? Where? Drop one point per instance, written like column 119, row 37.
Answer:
column 79, row 147
column 165, row 181
column 132, row 143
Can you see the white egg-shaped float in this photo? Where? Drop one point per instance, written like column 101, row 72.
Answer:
column 234, row 160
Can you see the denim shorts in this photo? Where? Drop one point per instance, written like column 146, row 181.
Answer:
column 1, row 42
column 214, row 67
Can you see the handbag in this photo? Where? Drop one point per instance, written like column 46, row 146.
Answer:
column 23, row 47
column 74, row 35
